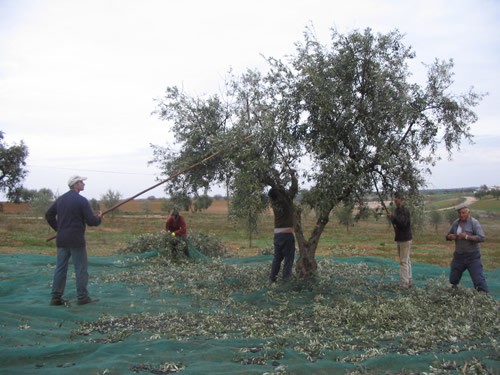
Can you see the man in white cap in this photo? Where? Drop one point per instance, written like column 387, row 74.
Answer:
column 68, row 216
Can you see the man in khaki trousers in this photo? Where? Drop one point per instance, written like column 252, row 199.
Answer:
column 401, row 221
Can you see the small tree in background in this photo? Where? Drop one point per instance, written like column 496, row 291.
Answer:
column 345, row 216
column 202, row 203
column 94, row 203
column 481, row 192
column 181, row 200
column 247, row 210
column 41, row 201
column 435, row 218
column 451, row 216
column 110, row 199
column 146, row 207
column 12, row 168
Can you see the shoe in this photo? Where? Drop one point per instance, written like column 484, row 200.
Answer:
column 58, row 301
column 87, row 300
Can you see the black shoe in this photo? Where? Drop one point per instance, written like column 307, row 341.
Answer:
column 58, row 301
column 87, row 300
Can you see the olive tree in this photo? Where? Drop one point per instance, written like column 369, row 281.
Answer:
column 110, row 199
column 12, row 168
column 345, row 115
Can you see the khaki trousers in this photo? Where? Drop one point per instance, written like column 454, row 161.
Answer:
column 404, row 252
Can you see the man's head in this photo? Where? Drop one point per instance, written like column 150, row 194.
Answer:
column 463, row 212
column 76, row 182
column 175, row 212
column 398, row 198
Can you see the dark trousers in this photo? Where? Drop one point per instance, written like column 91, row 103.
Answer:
column 472, row 263
column 284, row 249
column 79, row 256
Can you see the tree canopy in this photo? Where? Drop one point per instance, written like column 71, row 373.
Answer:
column 12, row 168
column 345, row 115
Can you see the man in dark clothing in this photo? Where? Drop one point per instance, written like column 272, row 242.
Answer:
column 68, row 216
column 401, row 221
column 467, row 233
column 284, row 240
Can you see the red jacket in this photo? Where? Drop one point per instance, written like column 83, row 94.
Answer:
column 177, row 225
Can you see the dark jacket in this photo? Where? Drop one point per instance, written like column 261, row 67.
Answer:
column 282, row 204
column 401, row 221
column 68, row 216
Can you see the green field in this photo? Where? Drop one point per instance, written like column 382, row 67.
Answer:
column 23, row 233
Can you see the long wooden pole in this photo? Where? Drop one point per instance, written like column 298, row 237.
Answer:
column 176, row 174
column 379, row 195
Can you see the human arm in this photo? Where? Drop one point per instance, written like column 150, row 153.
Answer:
column 51, row 216
column 91, row 219
column 452, row 232
column 182, row 231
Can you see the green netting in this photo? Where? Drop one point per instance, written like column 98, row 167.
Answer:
column 159, row 316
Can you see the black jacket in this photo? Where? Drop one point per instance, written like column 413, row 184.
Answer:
column 401, row 220
column 69, row 215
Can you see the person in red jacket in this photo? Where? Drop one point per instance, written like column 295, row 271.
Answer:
column 176, row 224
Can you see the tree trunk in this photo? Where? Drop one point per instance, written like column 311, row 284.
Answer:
column 306, row 266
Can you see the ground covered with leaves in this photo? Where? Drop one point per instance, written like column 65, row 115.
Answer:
column 162, row 312
column 352, row 314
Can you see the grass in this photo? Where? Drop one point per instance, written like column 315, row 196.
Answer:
column 27, row 234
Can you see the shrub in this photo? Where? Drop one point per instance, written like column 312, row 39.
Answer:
column 173, row 247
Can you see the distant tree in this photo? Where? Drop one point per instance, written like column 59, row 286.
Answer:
column 12, row 168
column 181, row 200
column 435, row 218
column 94, row 203
column 40, row 201
column 24, row 195
column 495, row 193
column 482, row 192
column 247, row 210
column 202, row 203
column 451, row 216
column 110, row 199
column 166, row 206
column 146, row 206
column 364, row 212
column 345, row 216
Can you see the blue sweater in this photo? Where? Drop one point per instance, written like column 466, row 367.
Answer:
column 68, row 216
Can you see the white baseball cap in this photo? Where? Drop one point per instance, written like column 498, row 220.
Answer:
column 74, row 179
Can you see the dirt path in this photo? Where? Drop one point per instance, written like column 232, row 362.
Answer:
column 468, row 201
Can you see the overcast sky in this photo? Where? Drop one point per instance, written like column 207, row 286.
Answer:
column 78, row 79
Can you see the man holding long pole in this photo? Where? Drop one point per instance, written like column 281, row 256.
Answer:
column 69, row 215
column 401, row 221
